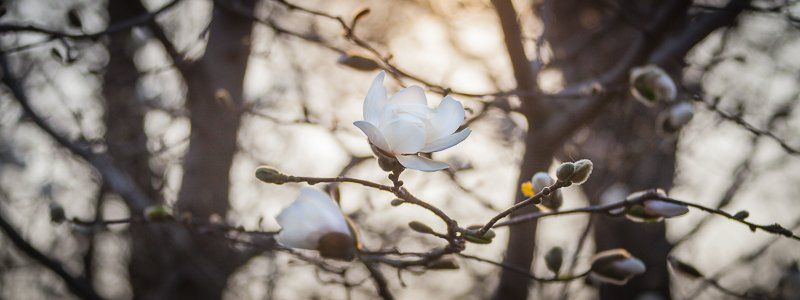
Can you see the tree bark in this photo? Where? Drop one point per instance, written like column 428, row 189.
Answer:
column 127, row 144
column 167, row 261
column 587, row 38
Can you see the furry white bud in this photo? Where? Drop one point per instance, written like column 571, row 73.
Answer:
column 651, row 84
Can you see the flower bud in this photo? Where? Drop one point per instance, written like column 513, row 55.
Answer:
column 540, row 181
column 57, row 214
column 157, row 213
column 675, row 118
column 314, row 221
column 637, row 213
column 420, row 227
column 396, row 202
column 443, row 264
column 583, row 168
column 553, row 201
column 564, row 171
column 650, row 85
column 358, row 61
column 554, row 259
column 271, row 175
column 472, row 236
column 664, row 209
column 741, row 215
column 615, row 266
column 681, row 114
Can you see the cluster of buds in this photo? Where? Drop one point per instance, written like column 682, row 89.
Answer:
column 651, row 85
column 615, row 266
column 575, row 172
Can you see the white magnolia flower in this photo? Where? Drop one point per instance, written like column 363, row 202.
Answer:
column 615, row 266
column 313, row 221
column 403, row 125
column 664, row 209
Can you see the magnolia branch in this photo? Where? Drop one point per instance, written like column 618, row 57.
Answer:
column 557, row 279
column 76, row 285
column 649, row 196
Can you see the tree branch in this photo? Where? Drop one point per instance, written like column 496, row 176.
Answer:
column 77, row 286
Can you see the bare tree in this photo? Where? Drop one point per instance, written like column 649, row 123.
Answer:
column 613, row 125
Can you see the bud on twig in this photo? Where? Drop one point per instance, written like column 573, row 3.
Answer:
column 554, row 259
column 358, row 61
column 681, row 114
column 271, row 175
column 664, row 209
column 583, row 168
column 742, row 214
column 472, row 236
column 564, row 171
column 675, row 118
column 443, row 264
column 362, row 12
column 650, row 85
column 615, row 266
column 541, row 180
column 420, row 227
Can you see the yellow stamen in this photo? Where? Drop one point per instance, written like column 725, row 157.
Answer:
column 527, row 189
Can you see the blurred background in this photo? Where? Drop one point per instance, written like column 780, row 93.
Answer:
column 177, row 102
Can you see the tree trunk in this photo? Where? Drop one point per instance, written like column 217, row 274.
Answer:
column 127, row 144
column 623, row 145
column 167, row 261
column 522, row 237
column 626, row 149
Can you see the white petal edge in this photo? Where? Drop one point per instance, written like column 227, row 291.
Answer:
column 374, row 135
column 308, row 218
column 420, row 163
column 375, row 100
column 446, row 142
column 410, row 95
column 447, row 117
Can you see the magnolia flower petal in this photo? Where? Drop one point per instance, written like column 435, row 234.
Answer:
column 309, row 217
column 373, row 134
column 410, row 95
column 376, row 99
column 446, row 118
column 446, row 142
column 664, row 209
column 421, row 163
column 405, row 134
